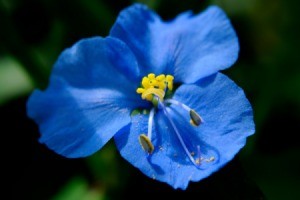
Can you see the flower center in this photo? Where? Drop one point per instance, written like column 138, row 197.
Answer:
column 153, row 88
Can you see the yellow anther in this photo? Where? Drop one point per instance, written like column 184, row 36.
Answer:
column 140, row 90
column 145, row 82
column 169, row 78
column 170, row 85
column 151, row 76
column 161, row 77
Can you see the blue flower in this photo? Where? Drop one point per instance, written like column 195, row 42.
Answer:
column 155, row 87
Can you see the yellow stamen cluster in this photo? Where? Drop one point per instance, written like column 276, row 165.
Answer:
column 155, row 86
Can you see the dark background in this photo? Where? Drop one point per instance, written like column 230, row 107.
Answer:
column 34, row 32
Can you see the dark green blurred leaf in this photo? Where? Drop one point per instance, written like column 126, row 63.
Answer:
column 14, row 81
column 78, row 189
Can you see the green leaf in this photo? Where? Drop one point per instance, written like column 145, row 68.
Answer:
column 78, row 189
column 14, row 81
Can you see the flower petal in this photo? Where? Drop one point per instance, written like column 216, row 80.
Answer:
column 167, row 163
column 224, row 108
column 89, row 98
column 98, row 62
column 189, row 47
column 228, row 121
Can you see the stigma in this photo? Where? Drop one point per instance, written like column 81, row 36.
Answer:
column 154, row 89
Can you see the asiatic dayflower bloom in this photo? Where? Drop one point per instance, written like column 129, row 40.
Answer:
column 155, row 87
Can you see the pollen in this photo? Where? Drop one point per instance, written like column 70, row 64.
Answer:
column 152, row 85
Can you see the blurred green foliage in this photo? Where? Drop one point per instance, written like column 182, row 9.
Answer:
column 34, row 32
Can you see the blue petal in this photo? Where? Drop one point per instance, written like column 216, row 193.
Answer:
column 189, row 47
column 168, row 162
column 89, row 99
column 226, row 112
column 228, row 121
column 92, row 63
